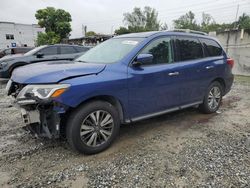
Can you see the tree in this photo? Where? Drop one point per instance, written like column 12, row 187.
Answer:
column 164, row 27
column 90, row 33
column 152, row 23
column 136, row 19
column 55, row 21
column 244, row 21
column 122, row 30
column 47, row 38
column 207, row 19
column 140, row 20
column 186, row 21
column 208, row 23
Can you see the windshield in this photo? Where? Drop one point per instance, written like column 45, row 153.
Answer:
column 32, row 52
column 110, row 51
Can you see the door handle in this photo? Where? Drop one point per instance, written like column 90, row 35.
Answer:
column 209, row 67
column 173, row 73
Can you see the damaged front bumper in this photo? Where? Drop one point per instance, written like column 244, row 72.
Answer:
column 42, row 119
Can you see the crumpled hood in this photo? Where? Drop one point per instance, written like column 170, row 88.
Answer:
column 53, row 72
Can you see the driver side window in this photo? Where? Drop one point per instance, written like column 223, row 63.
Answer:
column 160, row 49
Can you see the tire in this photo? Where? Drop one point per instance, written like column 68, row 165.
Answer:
column 101, row 127
column 209, row 106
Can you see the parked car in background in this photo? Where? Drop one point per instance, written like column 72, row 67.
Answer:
column 12, row 51
column 42, row 53
column 124, row 79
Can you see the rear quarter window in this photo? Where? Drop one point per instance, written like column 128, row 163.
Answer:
column 211, row 47
column 188, row 48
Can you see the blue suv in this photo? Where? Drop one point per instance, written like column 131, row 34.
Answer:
column 124, row 79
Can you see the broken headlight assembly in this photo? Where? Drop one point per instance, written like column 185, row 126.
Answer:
column 43, row 91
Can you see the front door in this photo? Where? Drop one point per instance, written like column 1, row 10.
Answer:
column 154, row 87
column 49, row 53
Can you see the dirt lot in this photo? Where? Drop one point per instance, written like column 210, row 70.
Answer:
column 181, row 149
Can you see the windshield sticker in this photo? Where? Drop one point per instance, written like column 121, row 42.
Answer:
column 130, row 42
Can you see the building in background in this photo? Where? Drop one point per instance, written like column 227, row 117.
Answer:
column 15, row 34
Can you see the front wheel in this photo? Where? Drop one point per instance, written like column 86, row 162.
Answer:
column 212, row 99
column 93, row 127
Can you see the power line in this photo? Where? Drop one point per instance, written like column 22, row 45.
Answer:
column 170, row 10
column 212, row 9
column 236, row 15
column 176, row 14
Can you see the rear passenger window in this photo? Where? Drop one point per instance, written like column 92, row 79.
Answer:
column 49, row 50
column 68, row 50
column 160, row 49
column 212, row 48
column 188, row 48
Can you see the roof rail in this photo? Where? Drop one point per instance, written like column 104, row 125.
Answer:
column 189, row 31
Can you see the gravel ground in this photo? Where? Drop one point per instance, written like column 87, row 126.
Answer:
column 181, row 149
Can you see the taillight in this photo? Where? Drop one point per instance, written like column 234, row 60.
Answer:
column 230, row 62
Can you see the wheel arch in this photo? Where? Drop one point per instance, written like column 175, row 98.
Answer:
column 221, row 81
column 110, row 99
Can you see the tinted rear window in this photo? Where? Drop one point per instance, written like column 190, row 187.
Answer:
column 212, row 48
column 188, row 48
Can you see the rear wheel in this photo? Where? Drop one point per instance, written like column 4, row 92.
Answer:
column 212, row 99
column 93, row 127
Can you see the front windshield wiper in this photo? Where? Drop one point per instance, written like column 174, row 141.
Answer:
column 81, row 61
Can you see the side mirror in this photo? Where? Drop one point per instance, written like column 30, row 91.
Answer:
column 39, row 55
column 143, row 59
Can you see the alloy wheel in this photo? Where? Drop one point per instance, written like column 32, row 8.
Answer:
column 214, row 97
column 97, row 128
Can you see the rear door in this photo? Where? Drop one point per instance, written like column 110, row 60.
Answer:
column 198, row 68
column 154, row 87
column 190, row 56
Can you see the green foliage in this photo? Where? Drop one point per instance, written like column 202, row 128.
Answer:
column 244, row 21
column 56, row 21
column 122, row 30
column 186, row 21
column 164, row 27
column 90, row 33
column 152, row 23
column 140, row 20
column 147, row 20
column 208, row 24
column 47, row 38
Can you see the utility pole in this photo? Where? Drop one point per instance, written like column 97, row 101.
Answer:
column 236, row 17
column 84, row 30
column 112, row 27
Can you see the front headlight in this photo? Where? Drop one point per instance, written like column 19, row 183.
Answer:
column 43, row 91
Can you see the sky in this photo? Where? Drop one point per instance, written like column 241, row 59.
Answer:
column 104, row 16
